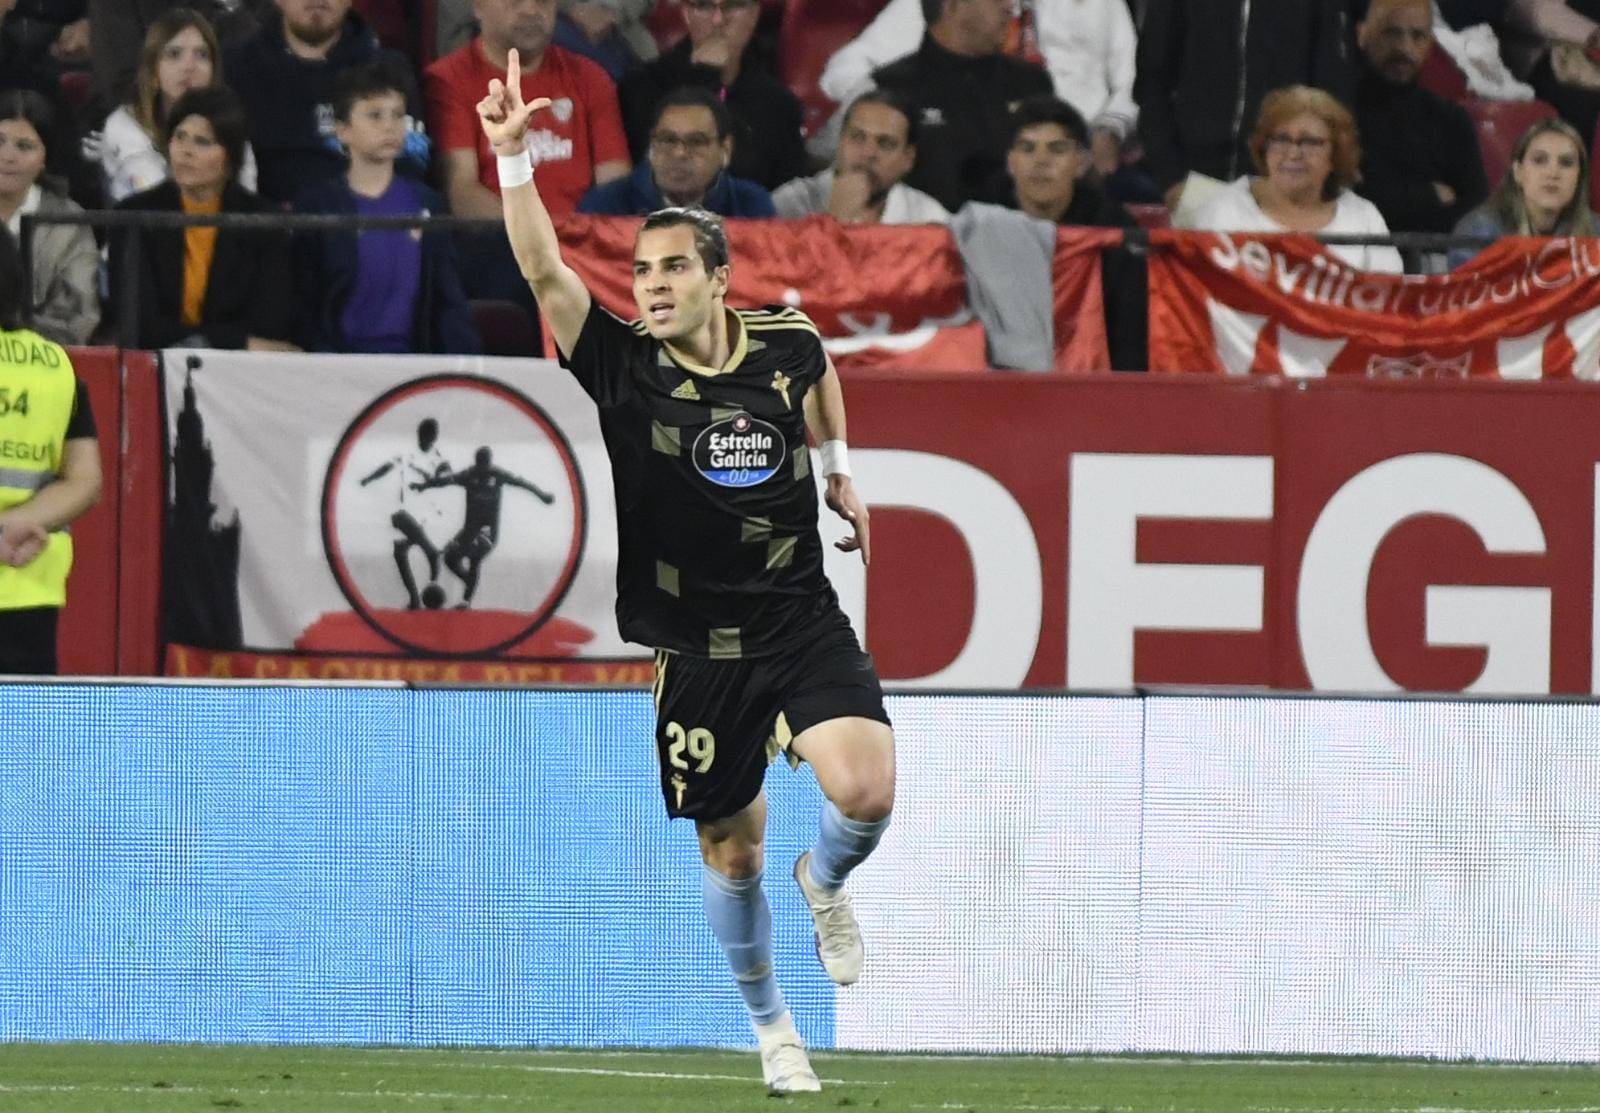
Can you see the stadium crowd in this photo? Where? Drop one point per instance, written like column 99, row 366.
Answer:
column 1369, row 117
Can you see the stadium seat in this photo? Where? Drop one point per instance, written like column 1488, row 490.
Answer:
column 812, row 31
column 1441, row 76
column 428, row 33
column 1499, row 125
column 76, row 87
column 1151, row 216
column 505, row 328
column 388, row 19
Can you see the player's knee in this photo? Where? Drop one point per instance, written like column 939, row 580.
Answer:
column 868, row 798
column 736, row 861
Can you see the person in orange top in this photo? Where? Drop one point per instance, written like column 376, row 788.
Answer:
column 207, row 287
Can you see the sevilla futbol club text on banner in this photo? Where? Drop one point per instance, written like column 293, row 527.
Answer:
column 1238, row 304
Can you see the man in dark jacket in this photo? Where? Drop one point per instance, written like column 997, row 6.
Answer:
column 691, row 145
column 1420, row 162
column 1204, row 65
column 717, row 55
column 285, row 75
column 967, row 88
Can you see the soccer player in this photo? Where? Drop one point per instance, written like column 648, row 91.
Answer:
column 704, row 411
column 465, row 553
column 415, row 467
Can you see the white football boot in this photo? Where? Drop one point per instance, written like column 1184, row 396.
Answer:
column 784, row 1063
column 838, row 935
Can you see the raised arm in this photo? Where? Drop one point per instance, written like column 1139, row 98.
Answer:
column 825, row 418
column 561, row 295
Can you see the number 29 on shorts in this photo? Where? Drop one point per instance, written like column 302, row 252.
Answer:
column 697, row 744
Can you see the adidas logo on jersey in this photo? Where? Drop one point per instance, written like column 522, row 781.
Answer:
column 686, row 391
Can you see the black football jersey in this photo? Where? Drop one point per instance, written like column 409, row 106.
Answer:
column 718, row 550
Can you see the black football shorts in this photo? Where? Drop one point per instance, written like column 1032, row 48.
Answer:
column 718, row 723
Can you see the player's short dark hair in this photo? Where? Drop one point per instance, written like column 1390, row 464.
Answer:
column 372, row 79
column 223, row 110
column 899, row 102
column 695, row 96
column 13, row 283
column 428, row 428
column 1045, row 108
column 710, row 237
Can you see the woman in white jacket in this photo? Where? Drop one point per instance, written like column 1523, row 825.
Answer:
column 1087, row 45
column 180, row 53
column 1306, row 149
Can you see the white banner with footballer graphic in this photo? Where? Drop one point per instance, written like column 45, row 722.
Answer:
column 418, row 517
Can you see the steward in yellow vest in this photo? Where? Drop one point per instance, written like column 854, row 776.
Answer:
column 49, row 475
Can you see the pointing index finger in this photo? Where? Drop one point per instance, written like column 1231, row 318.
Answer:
column 514, row 75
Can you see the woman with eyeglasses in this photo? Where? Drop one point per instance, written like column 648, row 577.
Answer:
column 1545, row 191
column 1306, row 153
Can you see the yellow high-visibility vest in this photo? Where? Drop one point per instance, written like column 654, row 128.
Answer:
column 37, row 390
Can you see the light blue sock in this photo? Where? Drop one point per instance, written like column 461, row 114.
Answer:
column 842, row 845
column 742, row 923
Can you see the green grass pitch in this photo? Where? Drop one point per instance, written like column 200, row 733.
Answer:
column 143, row 1078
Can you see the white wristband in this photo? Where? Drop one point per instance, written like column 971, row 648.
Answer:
column 515, row 170
column 835, row 458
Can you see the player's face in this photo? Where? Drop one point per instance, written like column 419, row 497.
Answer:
column 199, row 162
column 22, row 157
column 376, row 129
column 685, row 153
column 185, row 63
column 1044, row 161
column 674, row 293
column 874, row 140
column 314, row 21
column 527, row 25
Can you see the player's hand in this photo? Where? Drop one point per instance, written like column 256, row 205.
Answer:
column 842, row 499
column 546, row 498
column 503, row 113
column 21, row 543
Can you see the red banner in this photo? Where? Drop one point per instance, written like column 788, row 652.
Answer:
column 1242, row 304
column 881, row 295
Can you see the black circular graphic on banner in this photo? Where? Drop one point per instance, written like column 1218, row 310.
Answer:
column 415, row 422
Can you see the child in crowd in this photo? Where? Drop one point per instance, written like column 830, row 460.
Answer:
column 379, row 290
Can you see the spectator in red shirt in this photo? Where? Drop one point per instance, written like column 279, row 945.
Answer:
column 578, row 143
